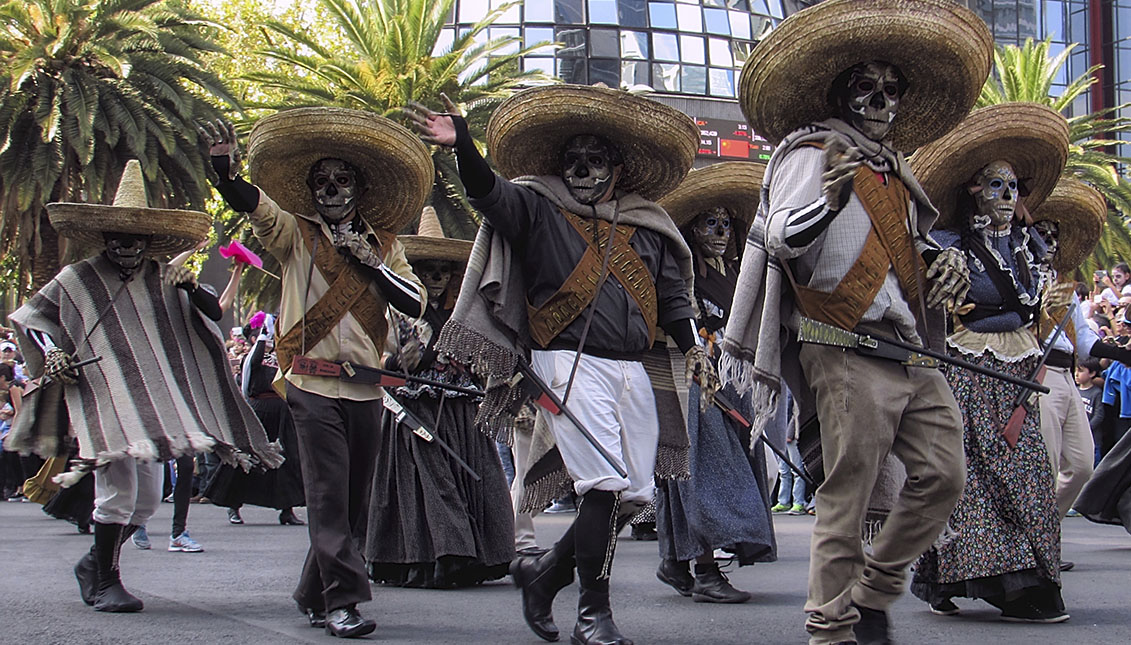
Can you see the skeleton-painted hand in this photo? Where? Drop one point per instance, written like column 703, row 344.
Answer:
column 950, row 279
column 348, row 241
column 432, row 127
column 221, row 139
column 408, row 356
column 58, row 365
column 1060, row 295
column 182, row 277
column 701, row 369
column 841, row 162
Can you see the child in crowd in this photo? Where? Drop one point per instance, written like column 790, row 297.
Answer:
column 1086, row 374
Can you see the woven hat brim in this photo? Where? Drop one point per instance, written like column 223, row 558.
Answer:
column 1031, row 137
column 735, row 185
column 397, row 167
column 944, row 50
column 171, row 230
column 1079, row 212
column 528, row 131
column 426, row 247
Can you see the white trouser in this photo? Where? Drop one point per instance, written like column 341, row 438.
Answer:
column 614, row 400
column 127, row 491
column 1067, row 435
column 524, row 537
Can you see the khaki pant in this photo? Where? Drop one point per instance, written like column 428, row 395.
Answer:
column 868, row 407
column 524, row 537
column 1067, row 435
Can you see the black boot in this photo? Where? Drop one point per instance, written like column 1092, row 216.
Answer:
column 595, row 540
column 540, row 580
column 86, row 571
column 346, row 622
column 111, row 595
column 676, row 574
column 287, row 517
column 712, row 586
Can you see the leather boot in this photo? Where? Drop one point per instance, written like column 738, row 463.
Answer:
column 711, row 585
column 86, row 571
column 111, row 595
column 540, row 580
column 595, row 540
column 677, row 575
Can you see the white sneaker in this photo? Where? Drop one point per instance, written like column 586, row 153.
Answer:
column 184, row 543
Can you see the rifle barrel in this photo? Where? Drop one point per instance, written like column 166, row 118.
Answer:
column 958, row 362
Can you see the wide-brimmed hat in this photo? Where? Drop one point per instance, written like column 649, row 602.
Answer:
column 735, row 185
column 943, row 50
column 171, row 231
column 430, row 243
column 396, row 166
column 1031, row 137
column 528, row 131
column 1079, row 212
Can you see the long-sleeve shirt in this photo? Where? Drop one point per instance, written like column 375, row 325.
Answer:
column 280, row 234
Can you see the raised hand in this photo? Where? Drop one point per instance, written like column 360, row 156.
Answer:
column 347, row 241
column 222, row 141
column 432, row 127
column 950, row 279
column 841, row 162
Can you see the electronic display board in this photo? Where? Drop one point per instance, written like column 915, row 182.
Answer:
column 726, row 139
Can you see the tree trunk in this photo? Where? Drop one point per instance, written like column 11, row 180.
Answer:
column 45, row 263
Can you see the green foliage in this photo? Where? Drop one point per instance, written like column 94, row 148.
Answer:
column 87, row 85
column 1026, row 73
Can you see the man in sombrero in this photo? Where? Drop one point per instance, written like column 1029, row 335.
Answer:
column 330, row 189
column 160, row 387
column 578, row 265
column 841, row 238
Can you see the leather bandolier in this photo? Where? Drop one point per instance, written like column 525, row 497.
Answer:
column 888, row 246
column 580, row 289
column 349, row 292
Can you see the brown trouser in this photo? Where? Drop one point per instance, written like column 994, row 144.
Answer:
column 868, row 407
column 1067, row 435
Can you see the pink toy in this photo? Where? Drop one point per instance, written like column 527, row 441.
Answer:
column 241, row 253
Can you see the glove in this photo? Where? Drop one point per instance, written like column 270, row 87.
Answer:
column 357, row 246
column 181, row 277
column 701, row 369
column 409, row 355
column 58, row 365
column 951, row 279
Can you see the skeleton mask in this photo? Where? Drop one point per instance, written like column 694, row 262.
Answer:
column 435, row 274
column 334, row 187
column 871, row 99
column 711, row 232
column 995, row 195
column 589, row 167
column 1050, row 233
column 125, row 250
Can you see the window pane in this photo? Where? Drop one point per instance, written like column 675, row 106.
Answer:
column 539, row 11
column 573, row 70
column 602, row 12
column 568, row 12
column 506, row 32
column 512, row 16
column 633, row 73
column 603, row 43
column 690, row 18
column 633, row 44
column 444, row 41
column 535, row 35
column 739, row 24
column 573, row 42
column 665, row 47
column 632, row 13
column 720, row 52
column 717, row 22
column 760, row 27
column 662, row 14
column 544, row 65
column 694, row 80
column 665, row 78
column 604, row 71
column 722, row 82
column 692, row 47
column 472, row 10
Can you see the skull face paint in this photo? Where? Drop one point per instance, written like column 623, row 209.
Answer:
column 995, row 194
column 1050, row 233
column 334, row 188
column 436, row 275
column 711, row 233
column 589, row 167
column 871, row 99
column 126, row 251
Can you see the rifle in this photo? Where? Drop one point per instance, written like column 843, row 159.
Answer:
column 347, row 371
column 533, row 386
column 1023, row 402
column 729, row 409
column 819, row 333
column 402, row 415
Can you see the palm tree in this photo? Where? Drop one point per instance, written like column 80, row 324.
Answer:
column 1026, row 73
column 86, row 85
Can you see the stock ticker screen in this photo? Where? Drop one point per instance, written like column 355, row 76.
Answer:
column 731, row 140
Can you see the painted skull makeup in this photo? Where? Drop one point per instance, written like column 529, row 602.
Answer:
column 436, row 275
column 711, row 232
column 334, row 188
column 126, row 251
column 1050, row 233
column 995, row 195
column 871, row 99
column 588, row 167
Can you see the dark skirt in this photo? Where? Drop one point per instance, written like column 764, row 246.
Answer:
column 74, row 504
column 430, row 523
column 1106, row 497
column 726, row 502
column 280, row 488
column 1003, row 538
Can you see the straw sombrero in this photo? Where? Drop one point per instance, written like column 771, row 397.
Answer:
column 943, row 49
column 397, row 167
column 430, row 243
column 1079, row 212
column 528, row 131
column 736, row 185
column 171, row 230
column 1031, row 137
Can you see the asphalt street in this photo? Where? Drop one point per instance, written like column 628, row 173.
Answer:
column 238, row 591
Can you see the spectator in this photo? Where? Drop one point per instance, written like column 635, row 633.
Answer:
column 11, row 356
column 11, row 470
column 1117, row 285
column 1092, row 394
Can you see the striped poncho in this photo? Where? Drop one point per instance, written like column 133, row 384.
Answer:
column 163, row 387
